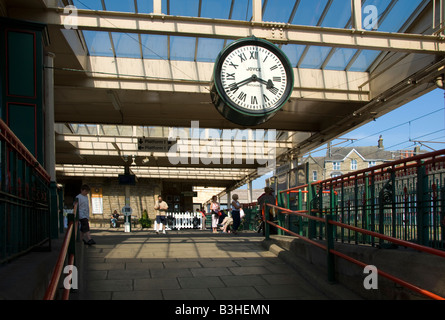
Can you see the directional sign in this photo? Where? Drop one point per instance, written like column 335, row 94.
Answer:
column 154, row 144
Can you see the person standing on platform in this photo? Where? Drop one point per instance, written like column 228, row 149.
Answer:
column 214, row 208
column 266, row 198
column 236, row 207
column 160, row 221
column 82, row 207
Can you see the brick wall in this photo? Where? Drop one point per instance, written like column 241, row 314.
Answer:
column 142, row 195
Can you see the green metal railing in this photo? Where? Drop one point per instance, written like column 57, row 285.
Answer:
column 404, row 199
column 24, row 198
column 328, row 245
column 250, row 221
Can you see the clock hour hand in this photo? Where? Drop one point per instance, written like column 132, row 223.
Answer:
column 235, row 86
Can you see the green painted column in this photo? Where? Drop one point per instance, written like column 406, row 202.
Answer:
column 54, row 210
column 60, row 207
column 422, row 206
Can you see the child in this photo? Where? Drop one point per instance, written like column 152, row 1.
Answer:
column 82, row 205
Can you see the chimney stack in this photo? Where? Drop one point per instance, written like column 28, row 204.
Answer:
column 380, row 143
column 416, row 150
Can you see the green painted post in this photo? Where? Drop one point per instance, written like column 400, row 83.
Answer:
column 356, row 209
column 54, row 211
column 330, row 246
column 266, row 225
column 365, row 213
column 442, row 213
column 320, row 210
column 372, row 196
column 332, row 201
column 393, row 203
column 310, row 193
column 3, row 204
column 287, row 216
column 311, row 223
column 422, row 206
column 280, row 203
column 61, row 201
column 342, row 209
column 72, row 244
column 300, row 208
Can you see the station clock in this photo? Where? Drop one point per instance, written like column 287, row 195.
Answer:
column 252, row 80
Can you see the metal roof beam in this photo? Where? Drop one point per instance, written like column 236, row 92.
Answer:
column 279, row 33
column 159, row 75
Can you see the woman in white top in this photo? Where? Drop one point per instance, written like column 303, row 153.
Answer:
column 236, row 206
column 214, row 208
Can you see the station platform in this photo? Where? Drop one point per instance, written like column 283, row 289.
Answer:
column 194, row 265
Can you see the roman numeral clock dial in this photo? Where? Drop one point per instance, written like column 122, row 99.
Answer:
column 252, row 80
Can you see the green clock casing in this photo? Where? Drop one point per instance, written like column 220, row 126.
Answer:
column 252, row 80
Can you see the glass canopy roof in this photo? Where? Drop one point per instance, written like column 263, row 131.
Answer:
column 392, row 15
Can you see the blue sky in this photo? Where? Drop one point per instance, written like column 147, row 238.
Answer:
column 422, row 119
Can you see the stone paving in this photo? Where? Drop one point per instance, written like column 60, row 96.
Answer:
column 186, row 265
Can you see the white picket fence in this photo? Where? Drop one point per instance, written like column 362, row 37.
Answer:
column 184, row 220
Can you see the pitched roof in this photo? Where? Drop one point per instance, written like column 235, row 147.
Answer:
column 367, row 153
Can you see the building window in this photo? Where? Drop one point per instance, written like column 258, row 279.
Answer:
column 335, row 175
column 353, row 164
column 314, row 176
column 371, row 164
column 336, row 166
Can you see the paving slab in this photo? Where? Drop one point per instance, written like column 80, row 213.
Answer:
column 187, row 265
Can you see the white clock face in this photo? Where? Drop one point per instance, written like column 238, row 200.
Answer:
column 254, row 78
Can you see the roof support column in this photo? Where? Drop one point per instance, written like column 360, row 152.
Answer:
column 50, row 148
column 257, row 11
column 229, row 200
column 356, row 14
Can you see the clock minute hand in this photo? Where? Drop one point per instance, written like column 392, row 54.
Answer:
column 269, row 84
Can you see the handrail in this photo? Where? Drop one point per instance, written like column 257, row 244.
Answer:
column 11, row 139
column 65, row 251
column 51, row 290
column 328, row 221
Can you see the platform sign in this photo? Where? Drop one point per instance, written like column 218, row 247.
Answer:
column 189, row 193
column 97, row 201
column 154, row 144
column 127, row 211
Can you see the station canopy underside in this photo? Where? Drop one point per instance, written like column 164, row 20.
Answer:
column 126, row 69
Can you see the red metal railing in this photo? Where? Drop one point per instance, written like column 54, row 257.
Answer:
column 328, row 221
column 65, row 252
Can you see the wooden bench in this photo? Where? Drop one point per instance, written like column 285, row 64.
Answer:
column 106, row 222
